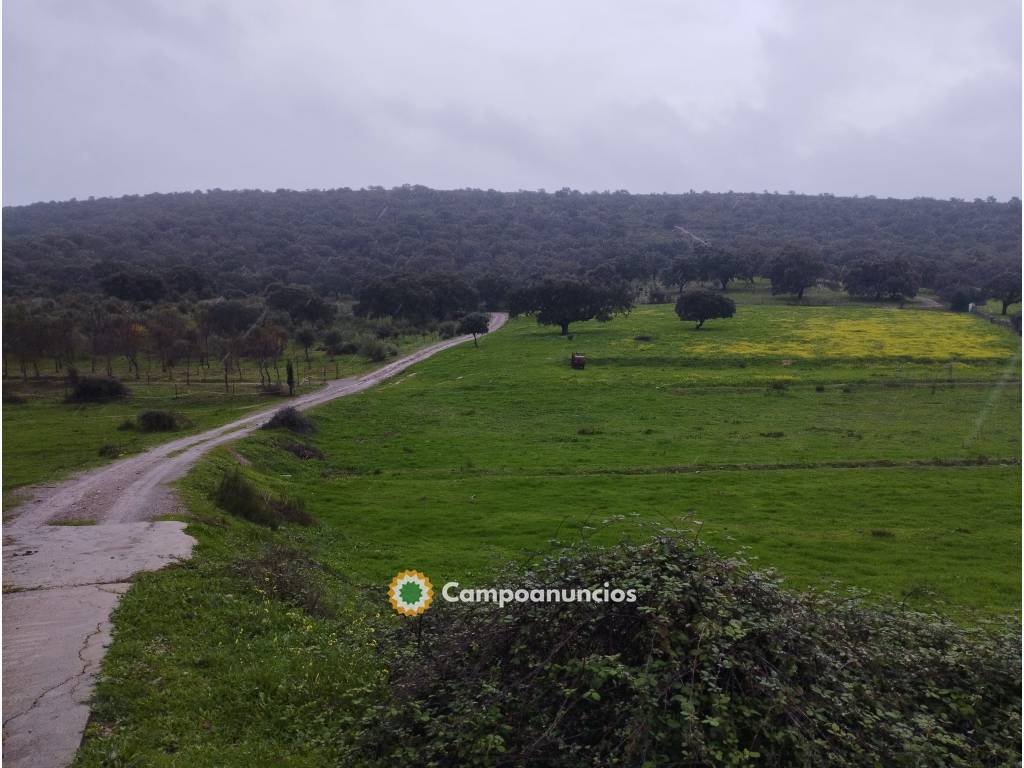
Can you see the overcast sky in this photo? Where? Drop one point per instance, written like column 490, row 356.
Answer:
column 107, row 97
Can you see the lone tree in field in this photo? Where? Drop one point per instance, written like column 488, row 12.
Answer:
column 475, row 323
column 290, row 371
column 795, row 270
column 1005, row 286
column 561, row 301
column 700, row 305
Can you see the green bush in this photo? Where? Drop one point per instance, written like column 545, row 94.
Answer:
column 713, row 665
column 161, row 421
column 376, row 350
column 238, row 496
column 241, row 497
column 96, row 389
column 291, row 419
column 386, row 328
column 449, row 329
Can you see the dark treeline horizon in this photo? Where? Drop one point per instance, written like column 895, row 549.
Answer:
column 507, row 191
column 227, row 276
column 337, row 241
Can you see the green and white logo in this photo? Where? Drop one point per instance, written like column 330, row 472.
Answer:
column 410, row 593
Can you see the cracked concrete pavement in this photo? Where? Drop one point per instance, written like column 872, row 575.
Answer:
column 62, row 582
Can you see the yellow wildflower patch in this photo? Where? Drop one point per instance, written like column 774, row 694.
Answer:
column 856, row 333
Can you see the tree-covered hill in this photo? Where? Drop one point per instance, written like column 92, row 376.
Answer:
column 204, row 243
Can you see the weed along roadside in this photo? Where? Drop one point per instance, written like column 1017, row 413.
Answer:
column 772, row 518
column 62, row 581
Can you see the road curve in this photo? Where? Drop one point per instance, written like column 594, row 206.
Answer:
column 62, row 582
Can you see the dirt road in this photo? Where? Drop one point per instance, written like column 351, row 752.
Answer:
column 62, row 582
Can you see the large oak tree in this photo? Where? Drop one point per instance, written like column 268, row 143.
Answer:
column 561, row 301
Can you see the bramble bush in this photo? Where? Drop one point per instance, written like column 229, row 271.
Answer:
column 714, row 665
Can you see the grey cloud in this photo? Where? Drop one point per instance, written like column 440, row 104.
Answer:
column 107, row 97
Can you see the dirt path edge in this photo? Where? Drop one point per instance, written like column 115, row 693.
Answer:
column 61, row 583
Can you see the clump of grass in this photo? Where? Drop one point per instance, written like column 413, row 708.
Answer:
column 292, row 420
column 239, row 496
column 819, row 387
column 643, row 337
column 161, row 421
column 589, row 431
column 303, row 451
column 291, row 509
column 126, row 426
column 882, row 533
column 109, row 451
column 779, row 385
column 773, row 434
column 288, row 575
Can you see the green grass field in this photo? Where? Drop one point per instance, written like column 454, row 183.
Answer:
column 870, row 447
column 490, row 451
column 46, row 438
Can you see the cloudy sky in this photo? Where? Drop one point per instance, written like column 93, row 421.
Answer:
column 901, row 98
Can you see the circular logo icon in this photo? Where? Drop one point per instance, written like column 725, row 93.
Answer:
column 410, row 593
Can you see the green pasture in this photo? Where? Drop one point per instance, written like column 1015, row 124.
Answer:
column 866, row 448
column 46, row 438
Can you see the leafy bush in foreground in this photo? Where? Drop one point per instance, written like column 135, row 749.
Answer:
column 714, row 665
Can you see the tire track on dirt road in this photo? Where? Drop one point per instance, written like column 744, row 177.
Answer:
column 62, row 582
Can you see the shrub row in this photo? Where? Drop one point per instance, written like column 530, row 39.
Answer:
column 714, row 665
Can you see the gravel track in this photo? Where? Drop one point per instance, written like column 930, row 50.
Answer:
column 62, row 582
